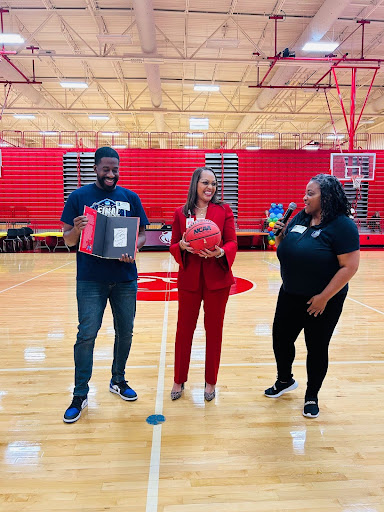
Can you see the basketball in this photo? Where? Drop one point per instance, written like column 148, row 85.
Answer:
column 203, row 234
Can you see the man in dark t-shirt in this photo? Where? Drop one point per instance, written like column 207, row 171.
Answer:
column 102, row 279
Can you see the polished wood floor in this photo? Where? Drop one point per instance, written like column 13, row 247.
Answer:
column 242, row 452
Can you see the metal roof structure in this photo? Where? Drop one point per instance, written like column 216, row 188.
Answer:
column 141, row 61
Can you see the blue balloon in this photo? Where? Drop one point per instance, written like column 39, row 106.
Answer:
column 279, row 215
column 280, row 205
column 273, row 205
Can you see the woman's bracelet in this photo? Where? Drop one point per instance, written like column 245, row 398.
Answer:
column 222, row 252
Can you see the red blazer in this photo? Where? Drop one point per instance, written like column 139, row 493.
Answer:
column 216, row 271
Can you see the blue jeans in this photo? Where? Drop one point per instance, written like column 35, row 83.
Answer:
column 92, row 297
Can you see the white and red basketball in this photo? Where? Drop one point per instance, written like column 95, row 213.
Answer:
column 203, row 234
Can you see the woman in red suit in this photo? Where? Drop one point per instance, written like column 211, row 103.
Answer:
column 203, row 276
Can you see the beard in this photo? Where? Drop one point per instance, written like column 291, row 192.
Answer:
column 107, row 188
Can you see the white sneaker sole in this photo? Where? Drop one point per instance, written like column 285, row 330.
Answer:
column 72, row 420
column 311, row 415
column 290, row 388
column 127, row 399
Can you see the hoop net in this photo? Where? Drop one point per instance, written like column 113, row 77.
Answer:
column 356, row 181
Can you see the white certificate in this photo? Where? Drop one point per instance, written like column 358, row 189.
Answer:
column 120, row 237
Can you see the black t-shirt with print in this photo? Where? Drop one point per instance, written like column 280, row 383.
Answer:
column 308, row 255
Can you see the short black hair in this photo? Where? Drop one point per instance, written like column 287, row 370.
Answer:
column 105, row 151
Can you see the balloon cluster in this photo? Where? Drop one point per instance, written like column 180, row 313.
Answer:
column 275, row 213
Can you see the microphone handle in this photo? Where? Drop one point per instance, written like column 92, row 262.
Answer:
column 284, row 220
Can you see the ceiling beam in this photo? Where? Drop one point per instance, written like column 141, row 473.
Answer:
column 149, row 110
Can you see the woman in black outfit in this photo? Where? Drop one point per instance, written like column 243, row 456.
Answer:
column 319, row 253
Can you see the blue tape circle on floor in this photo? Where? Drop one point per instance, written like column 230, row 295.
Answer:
column 155, row 419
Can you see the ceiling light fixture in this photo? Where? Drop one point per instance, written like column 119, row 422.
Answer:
column 312, row 146
column 98, row 117
column 198, row 123
column 206, row 88
column 119, row 146
column 66, row 145
column 267, row 135
column 253, row 147
column 191, row 147
column 11, row 39
column 74, row 85
column 49, row 134
column 333, row 137
column 24, row 116
column 320, row 46
column 110, row 134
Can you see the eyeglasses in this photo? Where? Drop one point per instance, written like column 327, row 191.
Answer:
column 206, row 183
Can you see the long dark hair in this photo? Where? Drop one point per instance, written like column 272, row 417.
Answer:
column 189, row 206
column 334, row 202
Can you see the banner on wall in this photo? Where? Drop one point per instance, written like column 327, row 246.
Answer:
column 1, row 163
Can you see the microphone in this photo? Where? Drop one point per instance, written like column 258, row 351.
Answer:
column 291, row 208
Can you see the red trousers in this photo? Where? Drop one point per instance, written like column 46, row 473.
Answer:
column 215, row 302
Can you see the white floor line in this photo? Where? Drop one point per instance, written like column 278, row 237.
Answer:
column 36, row 277
column 365, row 305
column 276, row 265
column 69, row 368
column 154, row 467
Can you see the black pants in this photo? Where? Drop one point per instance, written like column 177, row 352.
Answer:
column 290, row 318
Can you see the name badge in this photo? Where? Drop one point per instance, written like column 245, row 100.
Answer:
column 189, row 222
column 123, row 205
column 298, row 229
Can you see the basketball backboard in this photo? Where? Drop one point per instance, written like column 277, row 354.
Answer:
column 348, row 166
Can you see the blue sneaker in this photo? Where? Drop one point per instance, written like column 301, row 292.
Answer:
column 73, row 412
column 122, row 389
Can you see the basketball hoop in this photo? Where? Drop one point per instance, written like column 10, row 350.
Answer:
column 356, row 181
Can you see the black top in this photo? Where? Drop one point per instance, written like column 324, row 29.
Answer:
column 308, row 255
column 118, row 202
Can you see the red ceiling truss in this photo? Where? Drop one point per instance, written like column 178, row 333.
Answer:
column 336, row 63
column 4, row 55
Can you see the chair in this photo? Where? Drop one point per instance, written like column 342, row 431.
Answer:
column 25, row 236
column 12, row 243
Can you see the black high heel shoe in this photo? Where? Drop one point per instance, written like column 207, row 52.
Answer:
column 175, row 395
column 209, row 396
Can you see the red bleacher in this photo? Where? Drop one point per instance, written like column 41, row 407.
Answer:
column 31, row 183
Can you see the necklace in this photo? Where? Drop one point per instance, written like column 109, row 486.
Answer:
column 198, row 207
